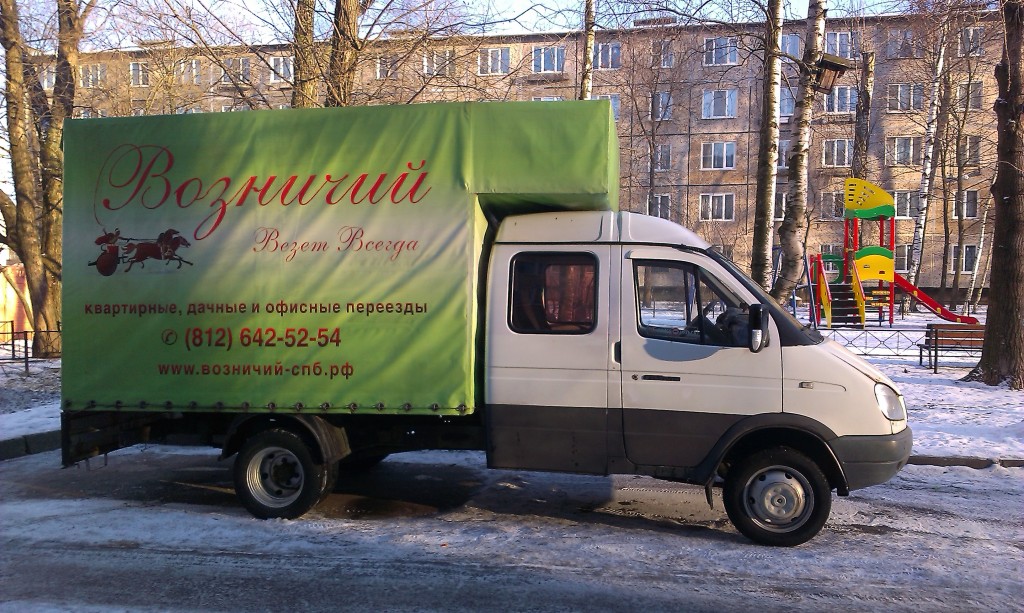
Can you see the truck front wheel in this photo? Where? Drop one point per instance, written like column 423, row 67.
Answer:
column 276, row 476
column 777, row 497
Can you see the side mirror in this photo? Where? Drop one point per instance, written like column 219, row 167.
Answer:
column 757, row 326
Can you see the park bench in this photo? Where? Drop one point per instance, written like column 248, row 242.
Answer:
column 950, row 338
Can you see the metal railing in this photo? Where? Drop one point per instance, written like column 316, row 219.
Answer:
column 16, row 346
column 880, row 342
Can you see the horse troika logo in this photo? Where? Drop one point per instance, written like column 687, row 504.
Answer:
column 116, row 249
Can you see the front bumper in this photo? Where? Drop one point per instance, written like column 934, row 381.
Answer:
column 870, row 460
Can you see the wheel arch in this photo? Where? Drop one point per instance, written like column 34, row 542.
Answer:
column 327, row 443
column 760, row 432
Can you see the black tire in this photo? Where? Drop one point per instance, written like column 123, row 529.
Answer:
column 777, row 497
column 276, row 475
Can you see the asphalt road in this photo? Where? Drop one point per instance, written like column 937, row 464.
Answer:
column 162, row 531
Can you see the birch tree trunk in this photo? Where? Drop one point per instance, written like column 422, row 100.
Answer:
column 768, row 150
column 792, row 233
column 970, row 301
column 924, row 189
column 587, row 76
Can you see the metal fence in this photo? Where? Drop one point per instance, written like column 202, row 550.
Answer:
column 880, row 342
column 16, row 346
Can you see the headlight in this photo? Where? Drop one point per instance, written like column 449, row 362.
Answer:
column 890, row 403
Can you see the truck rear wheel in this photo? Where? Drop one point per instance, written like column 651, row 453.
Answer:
column 276, row 475
column 777, row 497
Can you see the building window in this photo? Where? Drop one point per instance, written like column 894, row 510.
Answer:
column 281, row 69
column 387, row 67
column 902, row 44
column 832, row 256
column 842, row 99
column 661, row 50
column 548, row 59
column 906, row 97
column 439, row 63
column 903, row 150
column 784, row 152
column 787, row 101
column 720, row 51
column 718, row 156
column 779, row 208
column 833, row 205
column 235, row 69
column 968, row 206
column 967, row 262
column 902, row 258
column 607, row 56
column 548, row 98
column 908, row 204
column 663, row 156
column 970, row 150
column 553, row 293
column 843, row 44
column 186, row 110
column 48, row 77
column 717, row 207
column 189, row 72
column 660, row 206
column 790, row 47
column 91, row 113
column 970, row 40
column 661, row 106
column 494, row 61
column 614, row 99
column 968, row 96
column 719, row 104
column 838, row 152
column 93, row 75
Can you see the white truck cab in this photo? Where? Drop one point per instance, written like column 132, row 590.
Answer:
column 622, row 343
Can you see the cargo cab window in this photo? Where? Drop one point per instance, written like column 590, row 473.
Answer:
column 681, row 302
column 553, row 293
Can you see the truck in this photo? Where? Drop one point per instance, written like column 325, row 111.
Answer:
column 312, row 290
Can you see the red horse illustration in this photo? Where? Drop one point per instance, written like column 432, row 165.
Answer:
column 165, row 248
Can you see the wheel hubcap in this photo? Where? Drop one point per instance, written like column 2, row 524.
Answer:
column 778, row 499
column 275, row 477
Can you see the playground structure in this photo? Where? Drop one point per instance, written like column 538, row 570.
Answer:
column 864, row 279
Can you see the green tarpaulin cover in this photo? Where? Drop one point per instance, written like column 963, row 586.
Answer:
column 321, row 259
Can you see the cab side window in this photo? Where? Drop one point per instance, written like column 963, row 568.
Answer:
column 553, row 293
column 681, row 302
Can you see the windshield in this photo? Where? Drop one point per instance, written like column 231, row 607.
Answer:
column 783, row 318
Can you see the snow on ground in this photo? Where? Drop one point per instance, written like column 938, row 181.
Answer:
column 931, row 539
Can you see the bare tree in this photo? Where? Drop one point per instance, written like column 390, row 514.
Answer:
column 792, row 233
column 1002, row 358
column 768, row 147
column 35, row 126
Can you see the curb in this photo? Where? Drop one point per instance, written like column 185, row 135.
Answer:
column 49, row 441
column 29, row 444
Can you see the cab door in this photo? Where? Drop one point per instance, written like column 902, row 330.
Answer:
column 687, row 374
column 551, row 313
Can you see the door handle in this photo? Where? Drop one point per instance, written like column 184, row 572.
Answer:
column 659, row 378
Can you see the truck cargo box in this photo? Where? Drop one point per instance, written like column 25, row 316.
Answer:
column 321, row 260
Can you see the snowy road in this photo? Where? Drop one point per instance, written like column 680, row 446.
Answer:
column 158, row 529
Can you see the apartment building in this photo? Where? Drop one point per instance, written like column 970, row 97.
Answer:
column 687, row 101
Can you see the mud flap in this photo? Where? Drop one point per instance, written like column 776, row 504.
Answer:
column 87, row 434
